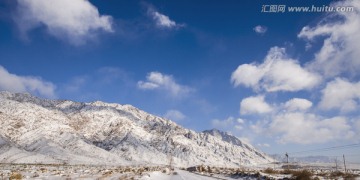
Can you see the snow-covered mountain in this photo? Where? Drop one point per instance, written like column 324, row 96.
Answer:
column 233, row 140
column 34, row 130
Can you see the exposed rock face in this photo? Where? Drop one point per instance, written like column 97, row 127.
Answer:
column 34, row 130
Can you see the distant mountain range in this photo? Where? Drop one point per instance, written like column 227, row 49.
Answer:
column 304, row 159
column 34, row 130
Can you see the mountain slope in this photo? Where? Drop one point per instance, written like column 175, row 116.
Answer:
column 61, row 131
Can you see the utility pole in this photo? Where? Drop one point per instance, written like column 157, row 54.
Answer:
column 336, row 163
column 240, row 160
column 274, row 163
column 170, row 153
column 344, row 162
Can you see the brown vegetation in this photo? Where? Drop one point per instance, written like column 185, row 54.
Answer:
column 337, row 174
column 302, row 175
column 309, row 175
column 15, row 175
column 271, row 171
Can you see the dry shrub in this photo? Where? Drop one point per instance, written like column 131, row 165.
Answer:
column 15, row 175
column 336, row 174
column 302, row 175
column 350, row 176
column 271, row 171
column 288, row 171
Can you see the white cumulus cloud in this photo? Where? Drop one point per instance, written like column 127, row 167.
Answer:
column 162, row 20
column 276, row 73
column 340, row 51
column 260, row 29
column 298, row 104
column 35, row 85
column 157, row 80
column 248, row 75
column 254, row 105
column 340, row 94
column 174, row 115
column 75, row 21
column 303, row 128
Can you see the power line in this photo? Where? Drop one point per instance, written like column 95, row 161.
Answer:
column 351, row 155
column 351, row 162
column 328, row 148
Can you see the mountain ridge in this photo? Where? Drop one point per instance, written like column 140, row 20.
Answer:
column 65, row 131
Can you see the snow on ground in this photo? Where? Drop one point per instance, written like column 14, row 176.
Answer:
column 62, row 171
column 176, row 175
column 55, row 171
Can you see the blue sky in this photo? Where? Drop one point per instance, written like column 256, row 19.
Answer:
column 282, row 81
